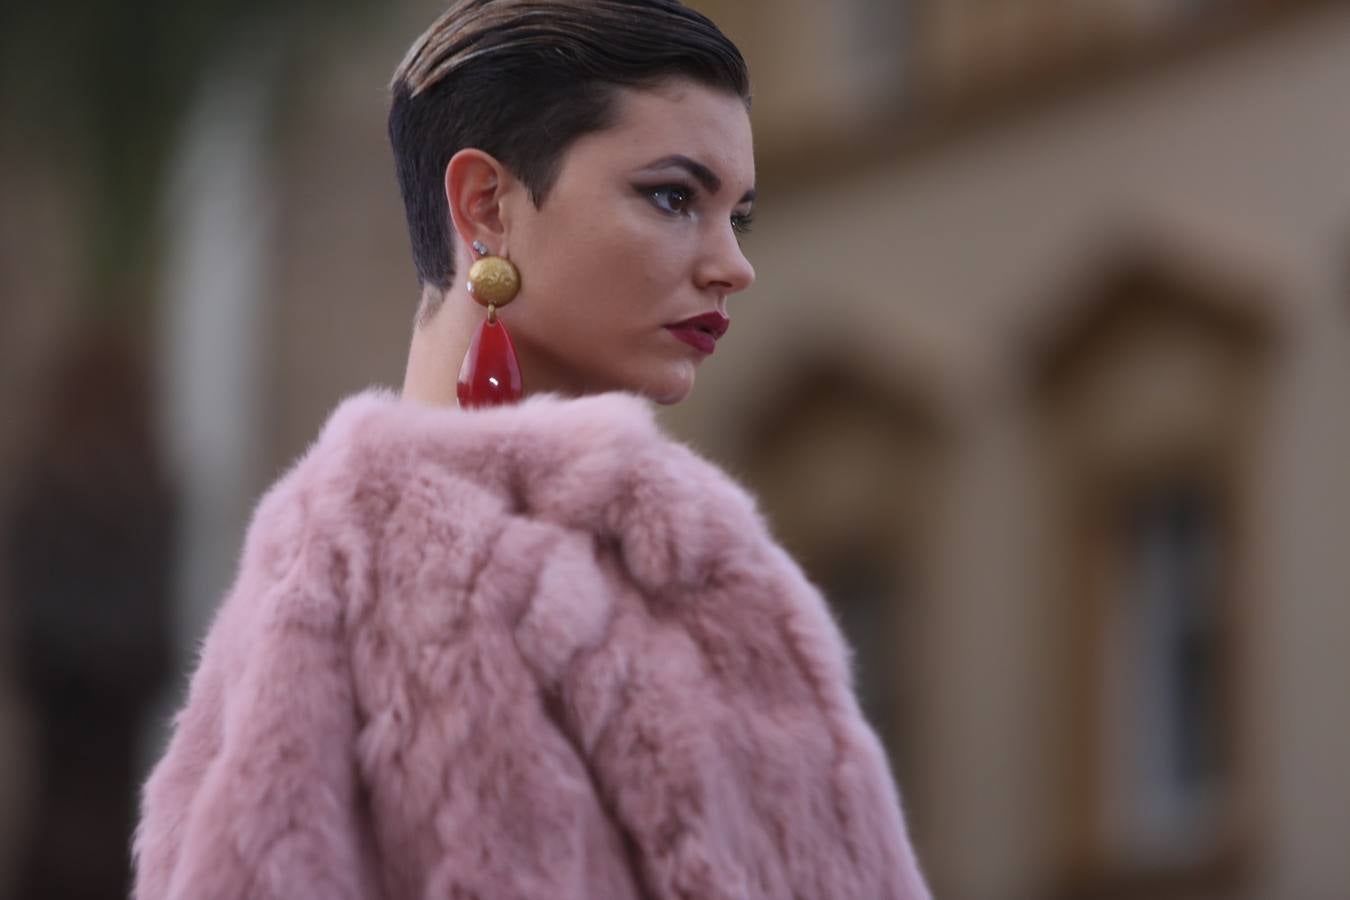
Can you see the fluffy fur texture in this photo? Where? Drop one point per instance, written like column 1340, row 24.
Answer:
column 536, row 653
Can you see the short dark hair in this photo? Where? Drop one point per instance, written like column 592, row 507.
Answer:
column 522, row 80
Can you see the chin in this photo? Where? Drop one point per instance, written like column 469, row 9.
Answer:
column 669, row 387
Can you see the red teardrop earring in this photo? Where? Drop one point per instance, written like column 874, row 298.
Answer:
column 490, row 375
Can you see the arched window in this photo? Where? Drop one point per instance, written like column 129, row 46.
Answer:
column 1150, row 394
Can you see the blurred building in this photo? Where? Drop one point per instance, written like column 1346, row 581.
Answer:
column 1043, row 379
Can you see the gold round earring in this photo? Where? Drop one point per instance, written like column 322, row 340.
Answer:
column 494, row 281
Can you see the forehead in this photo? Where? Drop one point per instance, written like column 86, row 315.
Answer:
column 679, row 118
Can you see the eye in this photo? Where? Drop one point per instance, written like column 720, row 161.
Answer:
column 671, row 198
column 741, row 223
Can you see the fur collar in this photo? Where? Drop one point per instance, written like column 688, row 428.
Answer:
column 598, row 464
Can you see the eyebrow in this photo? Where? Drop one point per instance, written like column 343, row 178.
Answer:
column 706, row 176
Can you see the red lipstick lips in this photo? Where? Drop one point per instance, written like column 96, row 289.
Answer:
column 701, row 332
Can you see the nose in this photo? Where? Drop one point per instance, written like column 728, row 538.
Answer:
column 724, row 265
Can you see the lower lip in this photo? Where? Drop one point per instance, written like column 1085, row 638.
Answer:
column 698, row 339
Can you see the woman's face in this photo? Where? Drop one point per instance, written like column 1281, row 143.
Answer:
column 639, row 232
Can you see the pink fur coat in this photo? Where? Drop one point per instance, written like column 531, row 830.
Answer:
column 536, row 653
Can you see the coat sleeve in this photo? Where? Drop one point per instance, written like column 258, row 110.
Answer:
column 257, row 795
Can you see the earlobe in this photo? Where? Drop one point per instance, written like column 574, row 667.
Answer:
column 474, row 185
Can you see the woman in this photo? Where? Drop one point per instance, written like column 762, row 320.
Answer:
column 537, row 650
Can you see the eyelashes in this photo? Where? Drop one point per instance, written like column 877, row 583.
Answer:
column 678, row 200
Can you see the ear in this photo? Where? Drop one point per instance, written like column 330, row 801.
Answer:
column 475, row 185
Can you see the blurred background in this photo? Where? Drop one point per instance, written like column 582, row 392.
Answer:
column 1044, row 380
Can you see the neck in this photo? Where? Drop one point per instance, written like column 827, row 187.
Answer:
column 439, row 342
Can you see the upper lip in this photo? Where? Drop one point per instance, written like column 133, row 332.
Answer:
column 714, row 323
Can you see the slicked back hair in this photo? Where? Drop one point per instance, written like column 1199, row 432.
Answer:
column 522, row 80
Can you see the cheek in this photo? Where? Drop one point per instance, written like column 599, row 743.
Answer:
column 618, row 276
column 655, row 259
